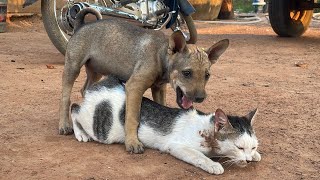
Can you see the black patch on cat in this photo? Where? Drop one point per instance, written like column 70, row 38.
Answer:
column 123, row 114
column 212, row 119
column 241, row 124
column 158, row 117
column 109, row 82
column 102, row 120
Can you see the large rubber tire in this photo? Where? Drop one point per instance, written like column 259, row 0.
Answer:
column 187, row 27
column 286, row 22
column 55, row 34
column 192, row 30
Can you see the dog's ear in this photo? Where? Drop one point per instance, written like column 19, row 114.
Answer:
column 215, row 51
column 177, row 42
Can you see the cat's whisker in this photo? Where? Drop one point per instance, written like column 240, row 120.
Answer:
column 228, row 161
column 234, row 161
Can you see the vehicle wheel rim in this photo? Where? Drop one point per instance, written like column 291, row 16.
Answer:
column 297, row 15
column 60, row 9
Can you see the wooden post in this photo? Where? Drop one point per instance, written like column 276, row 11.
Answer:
column 226, row 11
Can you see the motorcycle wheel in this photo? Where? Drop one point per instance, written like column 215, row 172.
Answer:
column 186, row 25
column 52, row 19
column 286, row 22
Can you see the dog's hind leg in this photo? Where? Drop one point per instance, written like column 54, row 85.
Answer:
column 92, row 77
column 159, row 94
column 70, row 74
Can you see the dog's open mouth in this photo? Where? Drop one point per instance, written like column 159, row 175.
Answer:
column 182, row 99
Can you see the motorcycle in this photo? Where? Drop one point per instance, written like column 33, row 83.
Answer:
column 59, row 16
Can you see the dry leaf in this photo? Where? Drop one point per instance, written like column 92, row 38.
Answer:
column 301, row 64
column 50, row 66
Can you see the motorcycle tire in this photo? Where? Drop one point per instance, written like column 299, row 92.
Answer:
column 50, row 22
column 286, row 22
column 192, row 30
column 187, row 27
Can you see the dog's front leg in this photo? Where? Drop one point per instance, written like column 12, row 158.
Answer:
column 195, row 158
column 135, row 88
column 159, row 93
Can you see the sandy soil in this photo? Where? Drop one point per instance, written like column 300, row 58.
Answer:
column 280, row 76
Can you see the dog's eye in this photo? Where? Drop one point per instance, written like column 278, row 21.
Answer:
column 207, row 76
column 187, row 73
column 254, row 148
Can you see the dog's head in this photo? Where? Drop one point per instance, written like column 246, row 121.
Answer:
column 190, row 68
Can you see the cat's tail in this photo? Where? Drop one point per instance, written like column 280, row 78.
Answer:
column 75, row 109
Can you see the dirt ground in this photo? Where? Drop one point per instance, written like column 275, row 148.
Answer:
column 280, row 76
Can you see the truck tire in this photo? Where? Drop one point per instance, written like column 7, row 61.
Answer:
column 286, row 22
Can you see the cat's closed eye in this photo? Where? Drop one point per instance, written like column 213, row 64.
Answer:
column 241, row 148
column 254, row 148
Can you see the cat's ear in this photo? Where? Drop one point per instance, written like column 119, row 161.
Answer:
column 220, row 120
column 252, row 115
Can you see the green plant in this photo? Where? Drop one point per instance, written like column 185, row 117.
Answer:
column 243, row 6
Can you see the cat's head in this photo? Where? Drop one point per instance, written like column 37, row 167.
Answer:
column 235, row 137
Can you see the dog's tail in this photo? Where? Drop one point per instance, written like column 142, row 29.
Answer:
column 79, row 21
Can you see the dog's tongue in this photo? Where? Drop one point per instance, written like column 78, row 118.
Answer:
column 186, row 103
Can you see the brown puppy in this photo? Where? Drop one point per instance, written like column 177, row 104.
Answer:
column 141, row 57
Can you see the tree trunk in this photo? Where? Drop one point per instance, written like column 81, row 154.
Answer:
column 206, row 9
column 226, row 11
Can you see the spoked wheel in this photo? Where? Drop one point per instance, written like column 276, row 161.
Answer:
column 286, row 22
column 186, row 25
column 58, row 20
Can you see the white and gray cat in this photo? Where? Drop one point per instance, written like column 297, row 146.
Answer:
column 189, row 135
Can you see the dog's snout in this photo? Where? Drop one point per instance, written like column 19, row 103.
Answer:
column 200, row 96
column 199, row 99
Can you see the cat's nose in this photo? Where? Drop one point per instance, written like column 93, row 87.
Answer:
column 248, row 158
column 242, row 163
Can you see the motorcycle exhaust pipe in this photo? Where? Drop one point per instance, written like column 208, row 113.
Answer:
column 121, row 14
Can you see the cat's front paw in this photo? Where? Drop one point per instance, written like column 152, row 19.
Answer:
column 214, row 168
column 256, row 157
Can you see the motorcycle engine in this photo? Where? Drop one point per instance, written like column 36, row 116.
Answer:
column 148, row 9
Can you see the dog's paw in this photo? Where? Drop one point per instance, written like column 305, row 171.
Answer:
column 65, row 129
column 256, row 157
column 214, row 168
column 134, row 146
